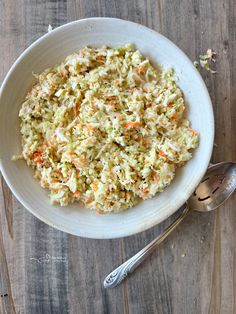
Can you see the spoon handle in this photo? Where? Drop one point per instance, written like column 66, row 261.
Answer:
column 121, row 272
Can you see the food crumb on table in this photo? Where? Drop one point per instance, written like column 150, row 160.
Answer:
column 50, row 28
column 202, row 239
column 206, row 60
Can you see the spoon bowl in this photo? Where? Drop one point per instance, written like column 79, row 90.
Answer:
column 215, row 188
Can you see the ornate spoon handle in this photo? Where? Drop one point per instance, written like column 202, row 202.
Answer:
column 121, row 272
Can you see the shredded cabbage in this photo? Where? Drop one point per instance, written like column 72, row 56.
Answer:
column 106, row 128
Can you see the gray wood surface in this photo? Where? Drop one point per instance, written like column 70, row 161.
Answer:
column 43, row 270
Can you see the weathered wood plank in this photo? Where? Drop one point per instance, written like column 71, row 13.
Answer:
column 35, row 277
column 46, row 262
column 12, row 271
column 6, row 304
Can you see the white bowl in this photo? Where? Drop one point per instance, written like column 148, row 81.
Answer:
column 53, row 48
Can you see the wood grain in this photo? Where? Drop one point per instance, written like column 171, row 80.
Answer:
column 43, row 270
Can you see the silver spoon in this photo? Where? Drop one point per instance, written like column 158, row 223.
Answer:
column 216, row 186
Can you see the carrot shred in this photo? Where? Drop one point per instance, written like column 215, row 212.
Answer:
column 36, row 156
column 90, row 127
column 194, row 133
column 131, row 125
column 94, row 186
column 77, row 193
column 144, row 192
column 162, row 154
column 140, row 70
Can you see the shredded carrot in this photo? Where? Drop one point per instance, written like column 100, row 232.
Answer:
column 144, row 192
column 140, row 70
column 58, row 171
column 38, row 160
column 77, row 193
column 80, row 162
column 131, row 125
column 155, row 177
column 94, row 186
column 194, row 133
column 89, row 127
column 120, row 117
column 112, row 102
column 36, row 156
column 162, row 154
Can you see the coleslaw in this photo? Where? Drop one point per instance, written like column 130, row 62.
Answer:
column 106, row 128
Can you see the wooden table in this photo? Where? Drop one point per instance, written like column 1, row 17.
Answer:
column 43, row 270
